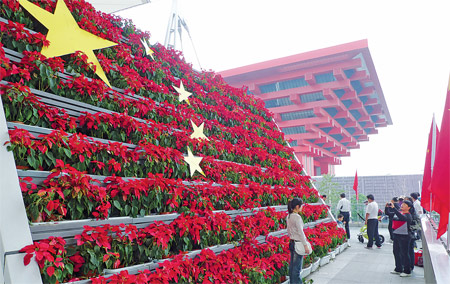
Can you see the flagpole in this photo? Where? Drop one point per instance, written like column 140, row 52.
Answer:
column 448, row 220
column 448, row 234
column 357, row 204
column 433, row 156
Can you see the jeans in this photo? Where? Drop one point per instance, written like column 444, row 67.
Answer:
column 401, row 253
column 346, row 220
column 295, row 267
column 372, row 233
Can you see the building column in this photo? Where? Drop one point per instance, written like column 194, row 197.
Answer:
column 324, row 168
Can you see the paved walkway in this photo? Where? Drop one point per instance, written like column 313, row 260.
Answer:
column 359, row 265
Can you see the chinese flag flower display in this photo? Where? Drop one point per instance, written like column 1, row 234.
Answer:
column 132, row 131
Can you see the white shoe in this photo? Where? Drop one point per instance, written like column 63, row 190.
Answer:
column 395, row 272
column 348, row 244
column 405, row 274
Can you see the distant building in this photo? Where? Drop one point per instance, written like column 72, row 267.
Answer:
column 382, row 187
column 112, row 6
column 327, row 100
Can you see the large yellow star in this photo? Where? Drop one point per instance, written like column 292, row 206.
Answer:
column 184, row 95
column 66, row 36
column 194, row 163
column 198, row 131
column 147, row 49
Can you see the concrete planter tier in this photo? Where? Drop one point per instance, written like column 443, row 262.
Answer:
column 305, row 271
column 333, row 253
column 338, row 249
column 315, row 265
column 344, row 246
column 325, row 260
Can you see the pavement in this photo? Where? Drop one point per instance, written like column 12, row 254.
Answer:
column 359, row 265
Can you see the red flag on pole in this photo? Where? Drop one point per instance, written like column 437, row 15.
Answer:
column 426, row 201
column 440, row 186
column 355, row 184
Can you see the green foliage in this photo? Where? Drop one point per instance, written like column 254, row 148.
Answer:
column 331, row 189
column 359, row 207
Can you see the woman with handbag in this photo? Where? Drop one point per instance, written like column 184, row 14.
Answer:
column 298, row 244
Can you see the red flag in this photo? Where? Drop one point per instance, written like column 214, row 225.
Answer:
column 440, row 186
column 429, row 161
column 355, row 184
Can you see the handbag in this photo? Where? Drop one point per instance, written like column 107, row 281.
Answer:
column 300, row 248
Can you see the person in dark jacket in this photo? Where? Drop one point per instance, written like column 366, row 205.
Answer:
column 390, row 213
column 412, row 242
column 401, row 224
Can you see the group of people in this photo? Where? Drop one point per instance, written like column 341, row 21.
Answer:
column 403, row 213
column 371, row 218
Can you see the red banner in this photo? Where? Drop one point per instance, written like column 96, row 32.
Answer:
column 426, row 200
column 440, row 186
column 355, row 184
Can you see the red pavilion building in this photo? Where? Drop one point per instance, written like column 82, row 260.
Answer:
column 325, row 101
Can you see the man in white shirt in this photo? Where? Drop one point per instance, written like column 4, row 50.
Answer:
column 344, row 208
column 372, row 222
column 417, row 206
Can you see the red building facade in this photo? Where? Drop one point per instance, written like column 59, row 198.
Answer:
column 325, row 101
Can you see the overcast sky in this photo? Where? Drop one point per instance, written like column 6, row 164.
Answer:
column 409, row 42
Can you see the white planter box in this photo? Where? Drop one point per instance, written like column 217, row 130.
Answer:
column 315, row 265
column 338, row 250
column 333, row 253
column 344, row 246
column 325, row 260
column 305, row 271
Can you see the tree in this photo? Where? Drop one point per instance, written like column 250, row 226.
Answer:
column 326, row 185
column 358, row 207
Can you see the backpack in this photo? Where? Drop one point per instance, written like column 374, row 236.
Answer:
column 415, row 223
column 415, row 227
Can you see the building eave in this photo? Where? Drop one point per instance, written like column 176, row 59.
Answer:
column 316, row 57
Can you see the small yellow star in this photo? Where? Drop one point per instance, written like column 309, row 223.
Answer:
column 66, row 36
column 184, row 95
column 148, row 50
column 194, row 163
column 198, row 131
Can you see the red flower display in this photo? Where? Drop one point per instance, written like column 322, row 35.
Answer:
column 137, row 139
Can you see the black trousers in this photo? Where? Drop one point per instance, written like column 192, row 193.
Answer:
column 372, row 233
column 411, row 246
column 346, row 220
column 402, row 253
column 391, row 231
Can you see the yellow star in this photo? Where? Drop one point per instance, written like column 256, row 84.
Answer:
column 66, row 36
column 184, row 95
column 148, row 50
column 198, row 131
column 194, row 163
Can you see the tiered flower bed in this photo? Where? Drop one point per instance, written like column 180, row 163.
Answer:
column 138, row 137
column 56, row 199
column 97, row 249
column 324, row 237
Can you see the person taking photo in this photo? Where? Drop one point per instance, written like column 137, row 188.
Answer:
column 402, row 238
